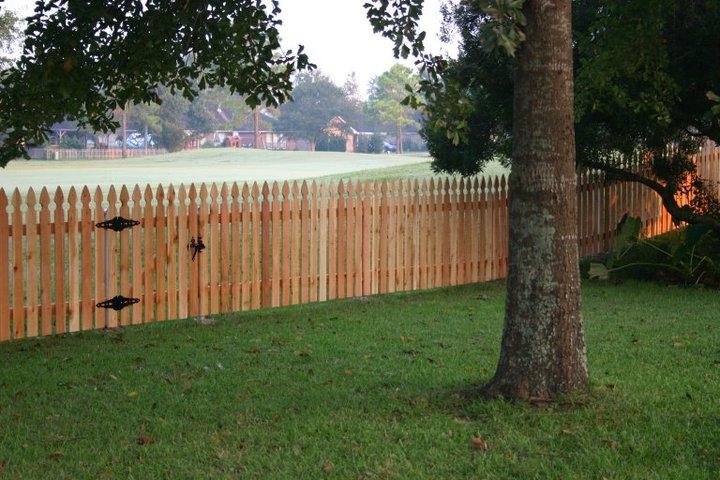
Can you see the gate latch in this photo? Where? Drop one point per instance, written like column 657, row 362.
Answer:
column 196, row 246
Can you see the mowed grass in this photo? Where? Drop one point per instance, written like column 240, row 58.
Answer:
column 367, row 389
column 418, row 171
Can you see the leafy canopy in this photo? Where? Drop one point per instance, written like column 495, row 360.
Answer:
column 84, row 58
column 645, row 76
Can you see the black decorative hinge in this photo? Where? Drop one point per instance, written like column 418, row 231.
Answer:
column 118, row 302
column 118, row 224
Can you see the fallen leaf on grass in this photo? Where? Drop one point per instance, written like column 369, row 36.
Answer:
column 328, row 467
column 56, row 456
column 566, row 431
column 144, row 440
column 479, row 443
column 463, row 420
column 611, row 443
column 302, row 353
column 2, row 465
column 349, row 372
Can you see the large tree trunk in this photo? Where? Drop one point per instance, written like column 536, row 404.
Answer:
column 543, row 345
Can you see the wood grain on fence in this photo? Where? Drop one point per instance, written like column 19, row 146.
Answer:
column 270, row 246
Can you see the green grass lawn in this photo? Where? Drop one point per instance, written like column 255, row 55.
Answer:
column 416, row 170
column 367, row 389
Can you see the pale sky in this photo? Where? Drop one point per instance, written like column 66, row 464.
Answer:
column 336, row 35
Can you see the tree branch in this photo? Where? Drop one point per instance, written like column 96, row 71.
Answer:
column 678, row 213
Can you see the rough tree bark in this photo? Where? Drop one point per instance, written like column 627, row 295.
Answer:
column 543, row 345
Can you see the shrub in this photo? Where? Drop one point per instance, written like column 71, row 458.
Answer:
column 375, row 145
column 690, row 256
column 330, row 143
column 72, row 142
column 173, row 137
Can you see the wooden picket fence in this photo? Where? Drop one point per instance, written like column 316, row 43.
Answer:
column 267, row 245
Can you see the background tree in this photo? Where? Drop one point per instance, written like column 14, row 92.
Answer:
column 645, row 79
column 387, row 92
column 173, row 120
column 10, row 34
column 83, row 59
column 315, row 101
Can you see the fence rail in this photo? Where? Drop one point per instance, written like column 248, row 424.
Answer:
column 267, row 245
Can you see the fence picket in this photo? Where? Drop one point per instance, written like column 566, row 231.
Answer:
column 213, row 251
column 137, row 248
column 46, row 265
column 171, row 254
column 225, row 252
column 276, row 242
column 4, row 270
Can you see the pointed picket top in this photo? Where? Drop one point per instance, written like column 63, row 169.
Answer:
column 171, row 194
column 16, row 200
column 160, row 194
column 214, row 192
column 72, row 197
column 98, row 196
column 275, row 191
column 224, row 194
column 295, row 189
column 322, row 189
column 483, row 185
column 416, row 186
column 44, row 197
column 502, row 182
column 358, row 188
column 285, row 190
column 331, row 189
column 424, row 186
column 255, row 191
column 400, row 188
column 476, row 184
column 245, row 191
column 235, row 191
column 111, row 198
column 124, row 195
column 462, row 186
column 350, row 189
column 432, row 185
column 85, row 195
column 148, row 195
column 341, row 188
column 31, row 200
column 496, row 184
column 304, row 189
column 3, row 201
column 203, row 193
column 314, row 188
column 182, row 195
column 265, row 191
column 447, row 185
column 383, row 187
